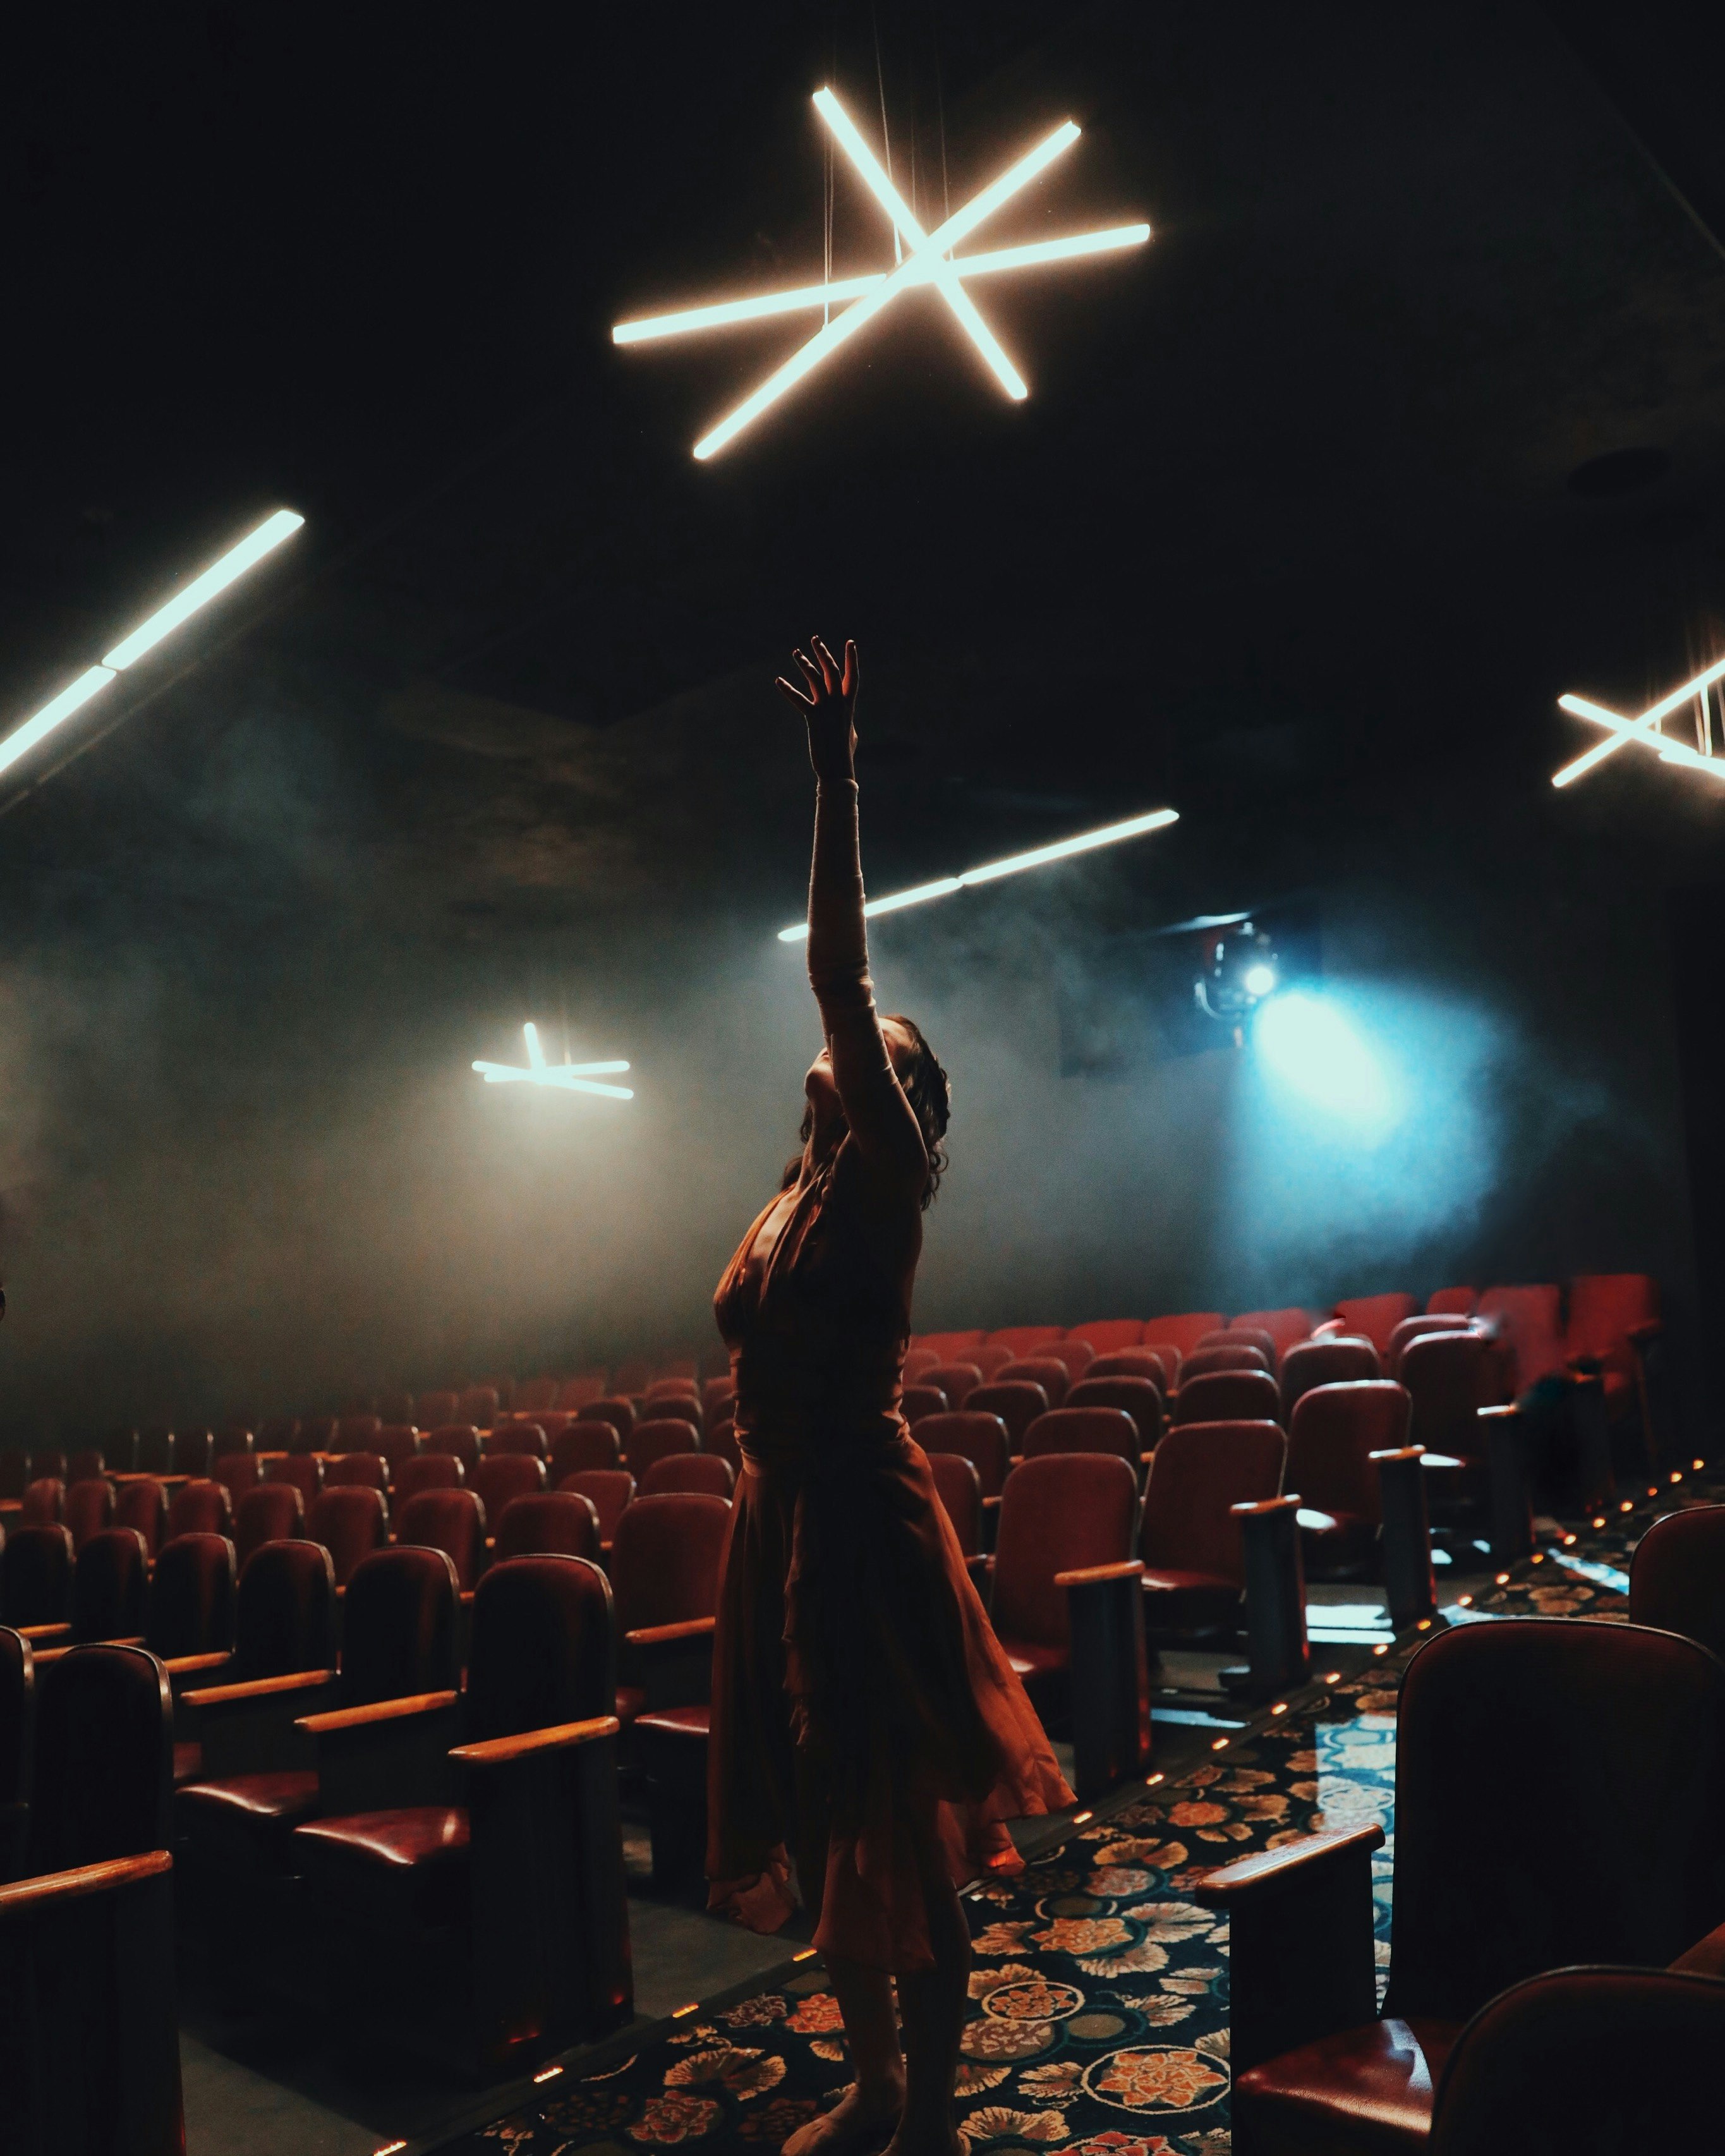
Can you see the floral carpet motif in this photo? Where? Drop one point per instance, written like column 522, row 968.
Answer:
column 1099, row 2022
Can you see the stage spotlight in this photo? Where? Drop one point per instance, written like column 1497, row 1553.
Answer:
column 202, row 588
column 1240, row 971
column 1259, row 979
column 1062, row 849
column 567, row 1077
column 1311, row 1047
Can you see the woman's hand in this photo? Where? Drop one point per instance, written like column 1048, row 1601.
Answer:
column 828, row 708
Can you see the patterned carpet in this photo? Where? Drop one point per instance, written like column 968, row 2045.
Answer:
column 1100, row 2018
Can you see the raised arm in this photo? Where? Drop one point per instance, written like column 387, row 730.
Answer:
column 880, row 1119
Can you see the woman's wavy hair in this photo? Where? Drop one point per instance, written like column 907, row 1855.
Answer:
column 929, row 1091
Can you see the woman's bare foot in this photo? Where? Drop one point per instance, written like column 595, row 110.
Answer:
column 856, row 2122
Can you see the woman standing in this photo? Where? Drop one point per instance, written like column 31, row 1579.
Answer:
column 866, row 1722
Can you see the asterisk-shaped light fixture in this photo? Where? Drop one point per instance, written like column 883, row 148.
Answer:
column 1649, row 728
column 927, row 260
column 569, row 1077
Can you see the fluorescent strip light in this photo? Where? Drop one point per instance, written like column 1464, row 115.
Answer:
column 232, row 565
column 567, row 1077
column 1062, row 849
column 1621, row 731
column 25, row 737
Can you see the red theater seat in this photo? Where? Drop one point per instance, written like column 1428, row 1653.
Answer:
column 490, row 1883
column 363, row 1470
column 460, row 1439
column 702, row 1471
column 201, row 1508
column 717, row 1394
column 451, row 1520
column 86, row 1465
column 226, row 1445
column 584, row 1444
column 681, row 1385
column 304, row 1469
column 357, row 1433
column 1287, row 1328
column 433, row 1410
column 351, row 1520
column 1338, row 1361
column 143, row 1505
column 1016, row 1405
column 14, row 1474
column 950, row 1346
column 478, row 1404
column 916, row 1401
column 1137, row 1397
column 956, row 1380
column 536, row 1392
column 981, row 1439
column 516, row 1436
column 1183, row 1331
column 1374, row 1317
column 1084, row 1430
column 1108, row 1335
column 1194, row 1569
column 1044, row 1370
column 1063, row 1512
column 1450, row 1377
column 575, row 1395
column 547, row 1522
column 608, row 1490
column 1227, row 1396
column 154, row 1452
column 1607, row 1311
column 1566, row 1864
column 665, row 1574
column 672, row 1407
column 48, row 1464
column 103, row 1759
column 276, row 1434
column 237, row 1472
column 1527, row 1321
column 617, row 1410
column 1160, row 1367
column 917, row 1362
column 110, row 1585
column 629, row 1380
column 44, row 1503
column 1241, row 1336
column 1678, row 1577
column 655, row 1440
column 36, row 1576
column 1414, row 1328
column 428, row 1471
column 1076, row 1355
column 273, row 1512
column 1333, row 1431
column 397, row 1442
column 1453, row 1302
column 961, row 1495
column 1225, row 1355
column 1025, row 1339
column 503, row 1476
column 720, row 1439
column 193, row 1591
column 991, row 1357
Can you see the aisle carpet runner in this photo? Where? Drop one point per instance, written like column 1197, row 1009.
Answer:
column 1098, row 2025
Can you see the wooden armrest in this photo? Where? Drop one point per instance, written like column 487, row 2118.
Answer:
column 30, row 1894
column 987, row 1502
column 1086, row 1575
column 660, row 1635
column 380, row 1710
column 467, row 1598
column 43, row 1635
column 188, row 1665
column 1264, row 1508
column 260, row 1688
column 1252, row 1877
column 495, row 1750
column 1396, row 1452
column 1507, row 1408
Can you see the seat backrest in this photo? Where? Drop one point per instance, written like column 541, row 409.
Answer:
column 201, row 1508
column 351, row 1520
column 14, row 1473
column 683, row 1407
column 1604, row 1309
column 1137, row 1397
column 517, row 1436
column 956, row 1481
column 273, row 1512
column 460, row 1440
column 1134, row 1363
column 502, row 1475
column 192, row 1592
column 44, row 1503
column 1024, row 1339
column 358, row 1433
column 917, row 1363
column 681, row 1383
column 1453, row 1302
column 544, row 1646
column 1411, row 1328
column 317, row 1434
column 615, row 1409
column 1084, row 1430
column 397, row 1441
column 1199, row 1470
column 950, row 1346
column 86, row 1465
column 1286, row 1328
column 1374, row 1317
column 1678, row 1576
column 433, row 1410
column 584, row 1444
column 453, row 1521
column 536, row 1392
column 237, row 1472
column 721, row 1439
column 990, row 1358
column 279, row 1434
column 1557, row 2066
column 1044, row 1370
column 1227, row 1396
column 1529, row 1322
column 143, row 1505
column 103, row 1759
column 428, row 1471
column 1077, row 1355
column 1226, row 1355
column 1016, row 1404
column 36, row 1582
column 974, row 1435
column 1182, row 1332
column 368, row 1470
column 547, row 1520
column 1601, row 1841
column 401, row 1624
column 155, row 1452
column 915, row 1401
column 652, row 1440
column 1337, row 1362
column 478, row 1405
column 109, row 1581
column 956, row 1380
column 1334, row 1430
column 304, row 1469
column 1107, row 1335
column 575, row 1393
column 631, row 1376
column 225, row 1443
column 608, row 1490
column 49, row 1463
column 1058, row 1513
column 1241, row 1336
column 17, row 1741
column 285, row 1612
column 1449, row 1377
column 665, row 1559
column 689, row 1470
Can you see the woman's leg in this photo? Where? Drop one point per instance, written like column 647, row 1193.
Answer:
column 934, row 2002
column 867, row 2110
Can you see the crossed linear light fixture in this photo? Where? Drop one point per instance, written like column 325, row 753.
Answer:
column 1062, row 849
column 926, row 262
column 567, row 1077
column 1648, row 730
column 226, row 570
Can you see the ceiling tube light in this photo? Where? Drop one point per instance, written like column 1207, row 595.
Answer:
column 1646, row 729
column 1083, row 842
column 22, row 739
column 228, row 570
column 564, row 1077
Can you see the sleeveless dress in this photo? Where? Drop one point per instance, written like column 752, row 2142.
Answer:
column 861, row 1698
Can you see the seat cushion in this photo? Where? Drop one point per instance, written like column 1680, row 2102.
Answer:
column 630, row 1701
column 245, row 1823
column 271, row 1798
column 1366, row 2089
column 690, row 1722
column 404, row 1869
column 1031, row 1660
column 188, row 1763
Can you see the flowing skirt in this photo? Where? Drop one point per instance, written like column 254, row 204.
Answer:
column 861, row 1703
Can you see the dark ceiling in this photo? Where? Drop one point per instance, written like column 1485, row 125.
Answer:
column 1302, row 492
